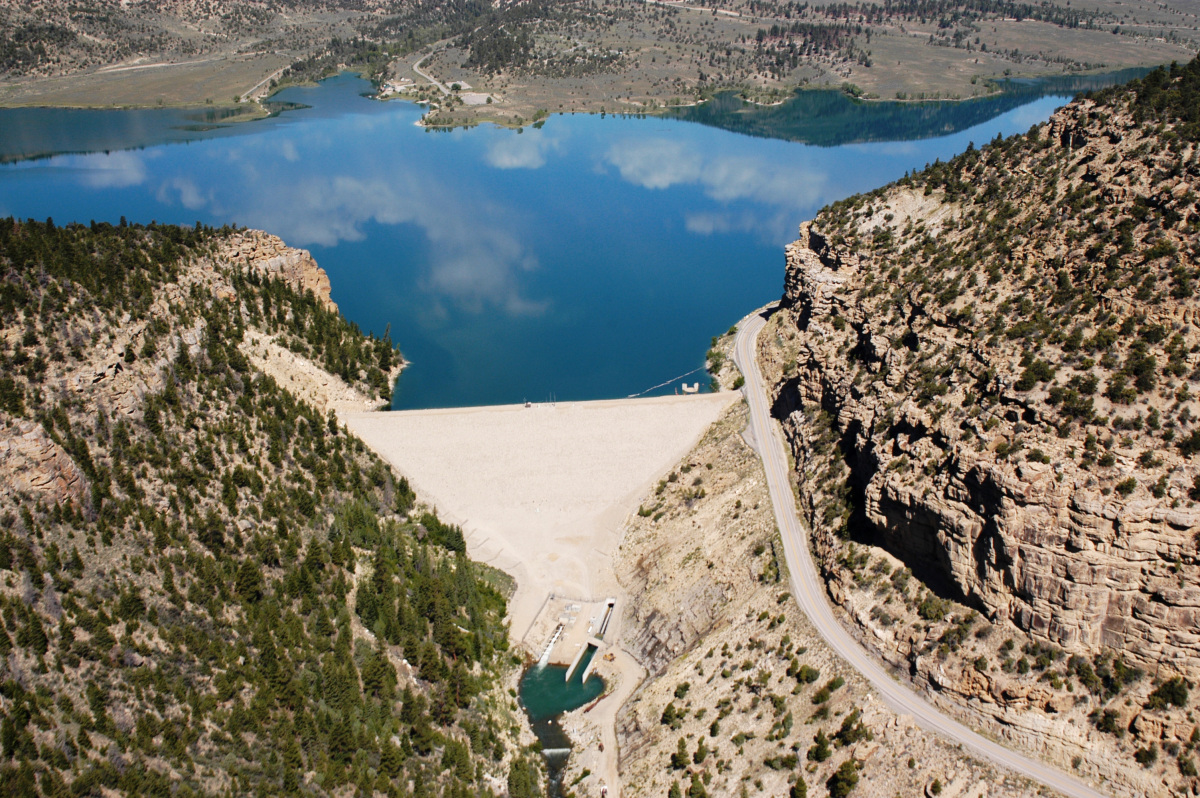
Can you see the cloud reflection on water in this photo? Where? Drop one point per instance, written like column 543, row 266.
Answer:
column 783, row 191
column 475, row 256
column 110, row 169
column 184, row 191
column 661, row 164
column 524, row 151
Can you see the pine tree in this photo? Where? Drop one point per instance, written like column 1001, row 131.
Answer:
column 32, row 635
column 378, row 674
column 341, row 741
column 680, row 759
column 250, row 583
column 391, row 761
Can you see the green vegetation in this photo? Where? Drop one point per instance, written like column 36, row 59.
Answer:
column 820, row 750
column 1173, row 692
column 823, row 695
column 233, row 599
column 956, row 304
column 983, row 342
column 844, row 779
column 1165, row 95
column 852, row 730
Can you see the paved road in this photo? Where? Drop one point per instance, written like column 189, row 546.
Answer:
column 809, row 589
column 261, row 86
column 417, row 68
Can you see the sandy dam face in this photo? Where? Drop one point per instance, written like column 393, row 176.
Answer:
column 541, row 491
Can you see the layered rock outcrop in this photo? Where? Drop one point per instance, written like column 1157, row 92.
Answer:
column 271, row 257
column 991, row 368
column 735, row 668
column 32, row 465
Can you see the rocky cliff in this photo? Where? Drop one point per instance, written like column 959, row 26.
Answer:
column 737, row 675
column 989, row 371
column 33, row 464
column 1011, row 382
column 270, row 257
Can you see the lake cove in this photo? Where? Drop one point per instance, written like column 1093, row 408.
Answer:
column 593, row 257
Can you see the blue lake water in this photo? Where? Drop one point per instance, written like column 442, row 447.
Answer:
column 591, row 258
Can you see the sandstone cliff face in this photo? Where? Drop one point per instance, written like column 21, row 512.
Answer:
column 988, row 376
column 952, row 342
column 723, row 643
column 33, row 465
column 706, row 547
column 270, row 257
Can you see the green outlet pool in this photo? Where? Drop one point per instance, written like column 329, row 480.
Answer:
column 545, row 695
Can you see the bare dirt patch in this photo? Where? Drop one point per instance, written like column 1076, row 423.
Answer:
column 217, row 81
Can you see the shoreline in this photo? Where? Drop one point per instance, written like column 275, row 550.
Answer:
column 471, row 119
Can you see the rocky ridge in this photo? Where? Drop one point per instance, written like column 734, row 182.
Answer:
column 272, row 258
column 205, row 579
column 988, row 376
column 31, row 462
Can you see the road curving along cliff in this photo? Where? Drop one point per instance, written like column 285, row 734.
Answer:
column 987, row 374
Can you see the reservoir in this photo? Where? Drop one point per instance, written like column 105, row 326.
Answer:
column 589, row 257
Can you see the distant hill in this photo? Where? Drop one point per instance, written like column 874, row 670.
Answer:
column 831, row 118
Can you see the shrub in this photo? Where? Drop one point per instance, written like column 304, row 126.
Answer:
column 1146, row 756
column 1126, row 486
column 1173, row 692
column 1037, row 371
column 1189, row 444
column 807, row 674
column 933, row 608
column 844, row 779
column 1107, row 722
column 852, row 730
column 820, row 749
column 680, row 759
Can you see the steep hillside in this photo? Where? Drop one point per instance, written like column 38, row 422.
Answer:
column 206, row 584
column 989, row 372
column 742, row 696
